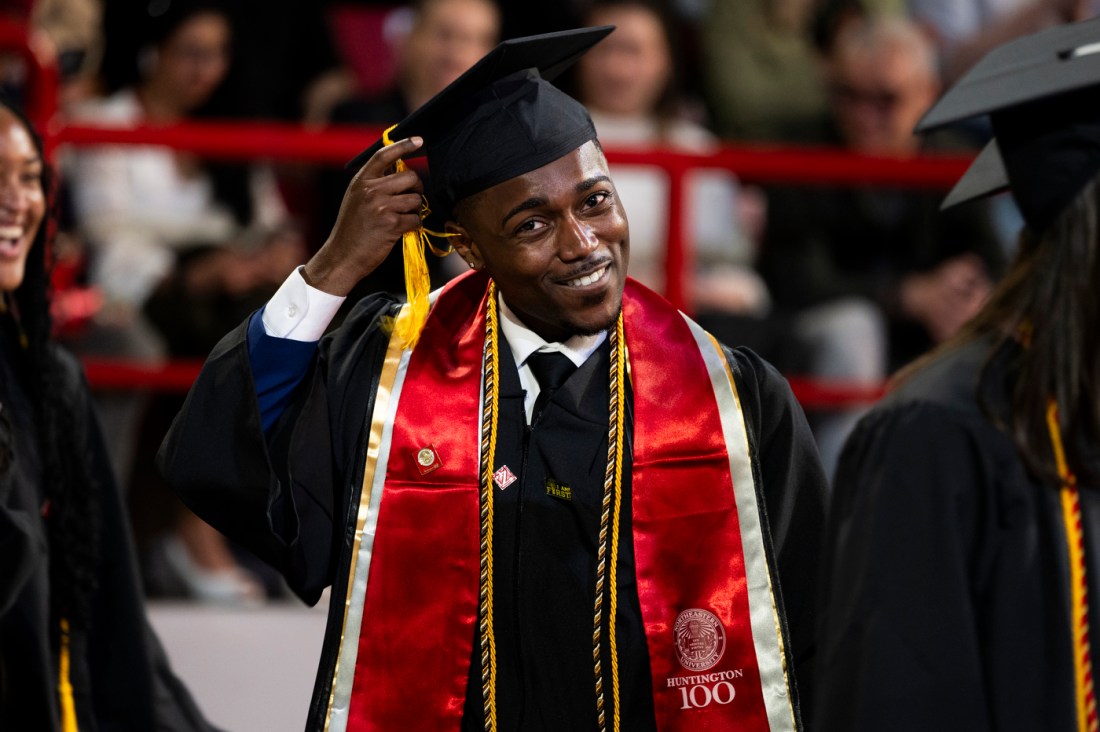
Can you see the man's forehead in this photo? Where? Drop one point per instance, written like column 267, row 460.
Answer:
column 573, row 173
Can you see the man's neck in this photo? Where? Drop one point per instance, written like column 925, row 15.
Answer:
column 524, row 341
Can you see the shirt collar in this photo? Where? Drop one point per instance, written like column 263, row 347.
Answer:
column 524, row 341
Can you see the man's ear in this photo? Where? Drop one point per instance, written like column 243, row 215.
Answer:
column 464, row 244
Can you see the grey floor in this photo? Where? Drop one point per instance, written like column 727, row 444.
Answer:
column 250, row 669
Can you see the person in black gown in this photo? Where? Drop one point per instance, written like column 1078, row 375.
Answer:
column 360, row 458
column 961, row 564
column 76, row 650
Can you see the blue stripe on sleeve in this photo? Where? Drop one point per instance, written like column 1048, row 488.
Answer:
column 278, row 365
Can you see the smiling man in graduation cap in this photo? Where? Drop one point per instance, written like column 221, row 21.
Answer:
column 961, row 581
column 544, row 498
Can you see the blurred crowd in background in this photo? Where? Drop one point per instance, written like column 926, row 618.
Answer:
column 829, row 282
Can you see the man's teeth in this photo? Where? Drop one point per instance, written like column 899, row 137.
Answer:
column 11, row 232
column 588, row 279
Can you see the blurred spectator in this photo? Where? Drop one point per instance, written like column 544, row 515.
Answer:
column 761, row 62
column 445, row 38
column 71, row 31
column 876, row 276
column 66, row 34
column 176, row 240
column 965, row 30
column 284, row 64
column 629, row 83
column 760, row 67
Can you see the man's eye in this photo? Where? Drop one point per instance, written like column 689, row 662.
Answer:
column 530, row 225
column 596, row 199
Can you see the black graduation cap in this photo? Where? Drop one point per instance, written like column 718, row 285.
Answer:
column 501, row 118
column 1042, row 93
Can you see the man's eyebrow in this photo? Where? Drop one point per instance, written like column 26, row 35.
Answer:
column 526, row 205
column 535, row 202
column 585, row 185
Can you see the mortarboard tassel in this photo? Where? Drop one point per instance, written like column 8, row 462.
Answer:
column 417, row 280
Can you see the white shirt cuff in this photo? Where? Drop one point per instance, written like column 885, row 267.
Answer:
column 300, row 312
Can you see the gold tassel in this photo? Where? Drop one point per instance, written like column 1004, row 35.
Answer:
column 417, row 279
column 64, row 684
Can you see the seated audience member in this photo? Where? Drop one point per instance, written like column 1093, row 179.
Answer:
column 70, row 32
column 160, row 225
column 965, row 30
column 446, row 37
column 629, row 83
column 761, row 62
column 875, row 276
column 76, row 648
column 760, row 68
column 959, row 586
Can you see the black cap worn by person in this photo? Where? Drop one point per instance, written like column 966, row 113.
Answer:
column 1042, row 94
column 500, row 119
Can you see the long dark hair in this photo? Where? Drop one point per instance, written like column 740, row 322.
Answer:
column 70, row 486
column 1047, row 303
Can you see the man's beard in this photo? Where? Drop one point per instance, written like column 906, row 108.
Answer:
column 591, row 330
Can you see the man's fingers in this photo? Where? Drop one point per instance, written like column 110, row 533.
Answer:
column 407, row 203
column 408, row 222
column 405, row 182
column 385, row 158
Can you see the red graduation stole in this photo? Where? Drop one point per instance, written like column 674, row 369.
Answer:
column 716, row 651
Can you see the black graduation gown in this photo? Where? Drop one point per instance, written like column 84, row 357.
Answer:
column 120, row 675
column 294, row 502
column 945, row 587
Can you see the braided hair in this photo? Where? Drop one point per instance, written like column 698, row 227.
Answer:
column 70, row 486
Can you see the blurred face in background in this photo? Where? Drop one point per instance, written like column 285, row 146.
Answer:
column 626, row 73
column 881, row 84
column 22, row 198
column 448, row 37
column 193, row 61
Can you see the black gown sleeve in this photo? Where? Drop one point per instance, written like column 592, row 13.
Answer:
column 19, row 550
column 793, row 488
column 284, row 495
column 899, row 629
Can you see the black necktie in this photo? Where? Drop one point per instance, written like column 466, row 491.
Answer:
column 551, row 368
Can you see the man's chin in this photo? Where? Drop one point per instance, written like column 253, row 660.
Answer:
column 595, row 327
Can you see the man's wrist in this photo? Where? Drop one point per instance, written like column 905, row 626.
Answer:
column 300, row 311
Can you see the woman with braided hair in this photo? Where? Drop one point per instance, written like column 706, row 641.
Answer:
column 76, row 650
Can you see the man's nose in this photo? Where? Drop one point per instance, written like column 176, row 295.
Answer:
column 580, row 240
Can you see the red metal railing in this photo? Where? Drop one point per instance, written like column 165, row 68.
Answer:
column 337, row 144
column 177, row 376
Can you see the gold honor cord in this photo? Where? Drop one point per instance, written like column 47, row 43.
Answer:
column 1079, row 620
column 607, row 578
column 417, row 280
column 488, row 450
column 612, row 488
column 64, row 683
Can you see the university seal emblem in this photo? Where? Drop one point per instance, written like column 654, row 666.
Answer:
column 700, row 639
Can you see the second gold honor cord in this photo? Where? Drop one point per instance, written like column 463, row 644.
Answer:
column 606, row 578
column 1079, row 599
